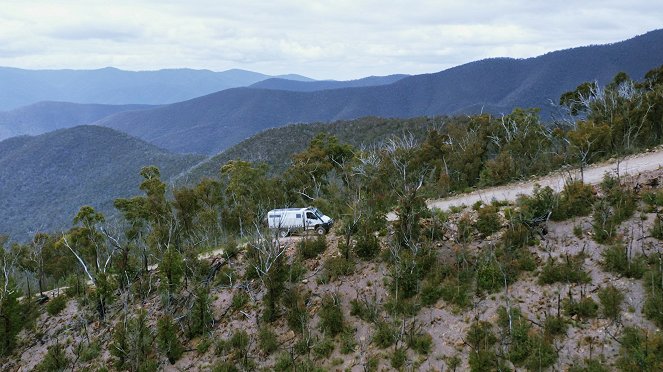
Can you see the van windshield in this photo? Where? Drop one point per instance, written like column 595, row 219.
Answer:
column 317, row 213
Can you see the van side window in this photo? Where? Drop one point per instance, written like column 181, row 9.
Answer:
column 299, row 215
column 310, row 216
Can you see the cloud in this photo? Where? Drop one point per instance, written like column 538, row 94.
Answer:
column 323, row 39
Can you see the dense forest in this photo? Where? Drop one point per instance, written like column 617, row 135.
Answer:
column 147, row 281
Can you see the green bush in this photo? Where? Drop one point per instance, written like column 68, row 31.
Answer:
column 331, row 315
column 465, row 229
column 554, row 326
column 385, row 334
column 323, row 348
column 570, row 270
column 641, row 350
column 239, row 342
column 348, row 342
column 267, row 340
column 481, row 339
column 575, row 200
column 611, row 300
column 311, row 248
column 167, row 339
column 603, row 224
column 296, row 271
column 239, row 300
column 296, row 313
column 421, row 342
column 653, row 307
column 89, row 352
column 527, row 348
column 490, row 277
column 616, row 259
column 488, row 220
column 56, row 305
column 367, row 246
column 585, row 308
column 335, row 267
column 657, row 228
column 398, row 358
column 589, row 365
column 55, row 360
column 366, row 309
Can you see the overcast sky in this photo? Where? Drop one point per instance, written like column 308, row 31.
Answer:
column 336, row 39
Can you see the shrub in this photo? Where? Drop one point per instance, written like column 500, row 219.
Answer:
column 311, row 248
column 331, row 315
column 488, row 221
column 611, row 300
column 640, row 350
column 55, row 359
column 240, row 299
column 421, row 342
column 348, row 343
column 366, row 309
column 602, row 223
column 224, row 366
column 554, row 326
column 616, row 259
column 589, row 365
column 239, row 342
column 167, row 339
column 527, row 348
column 335, row 267
column 89, row 352
column 465, row 229
column 398, row 358
column 367, row 246
column 267, row 340
column 323, row 348
column 657, row 228
column 490, row 277
column 296, row 314
column 56, row 305
column 480, row 336
column 585, row 308
column 575, row 200
column 653, row 307
column 385, row 334
column 200, row 318
column 296, row 271
column 570, row 270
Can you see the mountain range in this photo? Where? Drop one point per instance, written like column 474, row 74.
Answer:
column 45, row 117
column 114, row 86
column 214, row 122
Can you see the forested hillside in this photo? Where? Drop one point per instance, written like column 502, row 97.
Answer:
column 275, row 146
column 46, row 178
column 191, row 277
column 215, row 122
column 45, row 117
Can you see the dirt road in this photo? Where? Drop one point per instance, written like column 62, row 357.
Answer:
column 632, row 165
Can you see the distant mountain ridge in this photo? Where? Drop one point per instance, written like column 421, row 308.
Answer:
column 44, row 117
column 217, row 121
column 312, row 86
column 46, row 178
column 19, row 87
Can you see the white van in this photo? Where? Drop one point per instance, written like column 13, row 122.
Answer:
column 290, row 220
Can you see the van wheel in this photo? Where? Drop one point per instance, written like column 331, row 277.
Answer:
column 320, row 230
column 283, row 233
